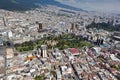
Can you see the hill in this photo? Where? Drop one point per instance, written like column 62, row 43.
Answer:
column 31, row 4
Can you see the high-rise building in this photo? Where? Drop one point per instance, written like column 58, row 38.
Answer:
column 74, row 27
column 4, row 21
column 41, row 27
column 99, row 41
column 96, row 20
column 10, row 34
column 44, row 51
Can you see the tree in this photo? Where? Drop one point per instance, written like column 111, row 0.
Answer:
column 41, row 77
column 106, row 26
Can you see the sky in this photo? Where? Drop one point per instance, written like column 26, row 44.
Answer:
column 112, row 6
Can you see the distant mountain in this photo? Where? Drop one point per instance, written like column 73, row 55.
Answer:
column 31, row 4
column 109, row 6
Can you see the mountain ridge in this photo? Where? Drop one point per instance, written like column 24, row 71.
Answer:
column 19, row 5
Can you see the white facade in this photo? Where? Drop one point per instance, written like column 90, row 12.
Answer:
column 10, row 34
column 44, row 50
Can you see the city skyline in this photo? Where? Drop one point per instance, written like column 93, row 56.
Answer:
column 59, row 40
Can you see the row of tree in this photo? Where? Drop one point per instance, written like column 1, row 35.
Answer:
column 105, row 26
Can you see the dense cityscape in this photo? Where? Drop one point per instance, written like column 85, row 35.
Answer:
column 54, row 43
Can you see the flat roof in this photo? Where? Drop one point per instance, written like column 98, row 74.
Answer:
column 2, row 50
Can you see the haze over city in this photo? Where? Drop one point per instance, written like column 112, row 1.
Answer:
column 112, row 6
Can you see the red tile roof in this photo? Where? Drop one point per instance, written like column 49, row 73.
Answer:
column 74, row 51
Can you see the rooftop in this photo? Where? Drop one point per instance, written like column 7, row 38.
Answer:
column 74, row 51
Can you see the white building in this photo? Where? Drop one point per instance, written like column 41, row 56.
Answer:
column 44, row 51
column 10, row 34
column 10, row 53
column 57, row 54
